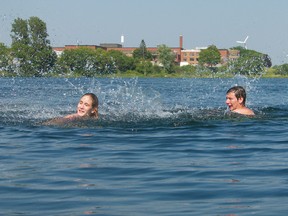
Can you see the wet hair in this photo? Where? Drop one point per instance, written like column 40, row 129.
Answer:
column 94, row 103
column 239, row 92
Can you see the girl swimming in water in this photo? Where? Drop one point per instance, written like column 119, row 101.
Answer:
column 87, row 108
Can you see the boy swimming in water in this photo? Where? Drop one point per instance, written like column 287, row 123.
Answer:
column 235, row 100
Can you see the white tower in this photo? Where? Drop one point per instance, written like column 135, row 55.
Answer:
column 122, row 40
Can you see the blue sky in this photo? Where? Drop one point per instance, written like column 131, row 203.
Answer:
column 201, row 22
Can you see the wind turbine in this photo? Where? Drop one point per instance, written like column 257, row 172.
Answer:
column 243, row 42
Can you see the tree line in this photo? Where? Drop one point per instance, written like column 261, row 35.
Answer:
column 31, row 55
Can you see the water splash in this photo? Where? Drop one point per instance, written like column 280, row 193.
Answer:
column 127, row 99
column 129, row 102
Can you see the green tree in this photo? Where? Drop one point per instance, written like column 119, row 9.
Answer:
column 20, row 46
column 122, row 62
column 31, row 49
column 142, row 52
column 187, row 69
column 43, row 57
column 210, row 56
column 267, row 61
column 144, row 67
column 5, row 59
column 281, row 69
column 166, row 57
column 86, row 62
column 250, row 62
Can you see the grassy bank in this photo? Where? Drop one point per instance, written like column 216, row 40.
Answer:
column 269, row 73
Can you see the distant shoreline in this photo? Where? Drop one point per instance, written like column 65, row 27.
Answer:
column 268, row 74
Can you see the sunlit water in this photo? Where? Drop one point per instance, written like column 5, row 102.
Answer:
column 160, row 147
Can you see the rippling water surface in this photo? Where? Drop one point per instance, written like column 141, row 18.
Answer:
column 160, row 147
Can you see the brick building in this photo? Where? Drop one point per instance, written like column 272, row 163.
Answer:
column 182, row 56
column 191, row 57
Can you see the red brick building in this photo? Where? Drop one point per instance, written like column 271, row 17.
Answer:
column 182, row 56
column 191, row 57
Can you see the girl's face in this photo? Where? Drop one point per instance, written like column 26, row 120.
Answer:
column 232, row 102
column 84, row 107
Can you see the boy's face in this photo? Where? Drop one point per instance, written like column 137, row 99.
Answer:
column 232, row 102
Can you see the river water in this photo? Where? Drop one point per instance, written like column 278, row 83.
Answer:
column 160, row 147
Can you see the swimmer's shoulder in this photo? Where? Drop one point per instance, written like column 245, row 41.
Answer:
column 244, row 111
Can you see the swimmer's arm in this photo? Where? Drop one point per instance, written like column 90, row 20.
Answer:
column 61, row 120
column 75, row 115
column 54, row 121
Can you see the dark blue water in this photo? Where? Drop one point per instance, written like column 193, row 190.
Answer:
column 160, row 147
